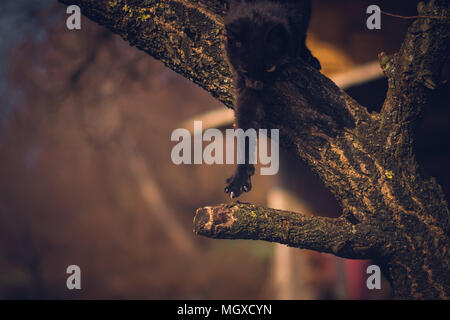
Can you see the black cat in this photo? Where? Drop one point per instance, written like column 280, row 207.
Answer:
column 262, row 38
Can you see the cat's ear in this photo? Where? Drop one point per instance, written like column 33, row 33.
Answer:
column 277, row 35
column 277, row 39
column 235, row 2
column 234, row 31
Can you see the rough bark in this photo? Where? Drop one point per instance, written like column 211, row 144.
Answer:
column 392, row 212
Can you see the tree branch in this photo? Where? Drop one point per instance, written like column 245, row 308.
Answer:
column 187, row 36
column 246, row 221
column 416, row 68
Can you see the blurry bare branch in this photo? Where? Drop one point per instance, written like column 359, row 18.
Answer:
column 154, row 199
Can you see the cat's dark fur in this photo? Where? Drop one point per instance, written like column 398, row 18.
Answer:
column 262, row 38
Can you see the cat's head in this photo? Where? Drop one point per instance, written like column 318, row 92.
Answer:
column 257, row 49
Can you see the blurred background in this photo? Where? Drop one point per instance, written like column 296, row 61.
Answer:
column 86, row 176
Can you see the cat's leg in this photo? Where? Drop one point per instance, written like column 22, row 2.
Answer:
column 240, row 181
column 246, row 116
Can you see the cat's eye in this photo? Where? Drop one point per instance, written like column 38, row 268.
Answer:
column 271, row 69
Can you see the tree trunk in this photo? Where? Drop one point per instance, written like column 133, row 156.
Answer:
column 391, row 211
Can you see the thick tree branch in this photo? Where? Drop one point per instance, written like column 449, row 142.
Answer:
column 187, row 36
column 246, row 221
column 416, row 68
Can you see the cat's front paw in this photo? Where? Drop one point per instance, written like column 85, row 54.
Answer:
column 239, row 183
